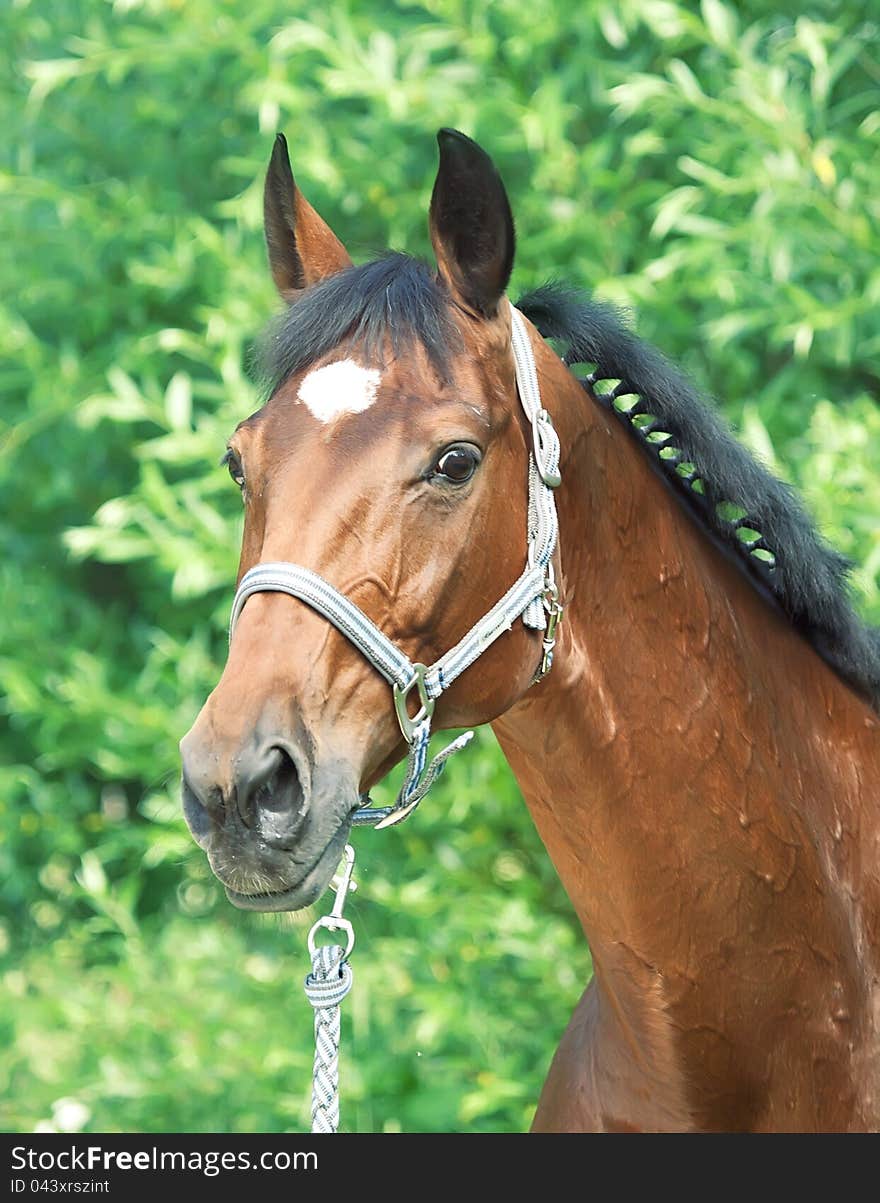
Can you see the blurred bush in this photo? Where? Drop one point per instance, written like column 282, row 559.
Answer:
column 712, row 168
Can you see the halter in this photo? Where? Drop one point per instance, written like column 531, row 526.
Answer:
column 534, row 597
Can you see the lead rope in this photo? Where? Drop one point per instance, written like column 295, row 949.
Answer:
column 326, row 986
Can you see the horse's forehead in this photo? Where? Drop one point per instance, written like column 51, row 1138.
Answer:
column 347, row 387
column 349, row 397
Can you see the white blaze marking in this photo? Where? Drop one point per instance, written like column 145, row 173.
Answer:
column 338, row 388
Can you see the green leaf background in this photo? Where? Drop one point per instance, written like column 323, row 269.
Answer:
column 712, row 168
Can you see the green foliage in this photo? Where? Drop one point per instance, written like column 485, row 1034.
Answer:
column 711, row 168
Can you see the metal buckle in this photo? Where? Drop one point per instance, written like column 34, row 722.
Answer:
column 426, row 705
column 554, row 609
column 541, row 418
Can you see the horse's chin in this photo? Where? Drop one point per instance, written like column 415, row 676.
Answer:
column 284, row 896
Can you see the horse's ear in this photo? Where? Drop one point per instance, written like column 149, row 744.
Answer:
column 302, row 247
column 471, row 224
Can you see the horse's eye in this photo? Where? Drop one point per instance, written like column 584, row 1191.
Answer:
column 233, row 463
column 457, row 464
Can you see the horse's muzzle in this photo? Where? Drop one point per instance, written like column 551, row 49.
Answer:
column 271, row 838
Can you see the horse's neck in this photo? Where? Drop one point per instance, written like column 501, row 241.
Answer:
column 700, row 777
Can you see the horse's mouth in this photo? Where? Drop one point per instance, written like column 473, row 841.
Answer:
column 310, row 886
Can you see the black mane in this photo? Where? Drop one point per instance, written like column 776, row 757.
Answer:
column 740, row 502
column 394, row 297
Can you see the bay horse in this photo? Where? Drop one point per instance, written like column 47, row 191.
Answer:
column 702, row 762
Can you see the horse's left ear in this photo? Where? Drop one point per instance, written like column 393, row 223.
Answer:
column 302, row 247
column 471, row 224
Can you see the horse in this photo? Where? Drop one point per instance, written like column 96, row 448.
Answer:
column 702, row 760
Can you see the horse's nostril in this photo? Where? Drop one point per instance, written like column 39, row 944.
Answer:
column 264, row 794
column 282, row 788
column 274, row 798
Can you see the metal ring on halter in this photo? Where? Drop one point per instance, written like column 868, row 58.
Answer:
column 426, row 709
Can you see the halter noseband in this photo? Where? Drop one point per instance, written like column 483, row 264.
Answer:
column 534, row 596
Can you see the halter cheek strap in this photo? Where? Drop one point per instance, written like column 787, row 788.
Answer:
column 533, row 596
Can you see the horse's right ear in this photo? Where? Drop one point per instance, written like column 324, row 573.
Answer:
column 302, row 247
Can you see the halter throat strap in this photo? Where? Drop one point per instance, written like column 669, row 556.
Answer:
column 533, row 596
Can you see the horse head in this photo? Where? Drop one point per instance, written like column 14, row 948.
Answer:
column 390, row 460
